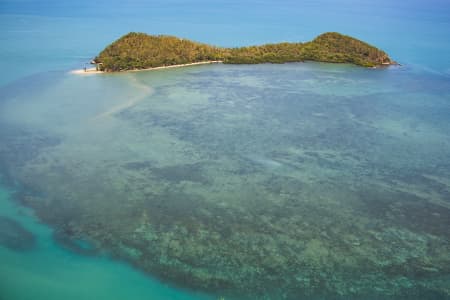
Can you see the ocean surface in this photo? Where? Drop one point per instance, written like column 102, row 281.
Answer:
column 292, row 181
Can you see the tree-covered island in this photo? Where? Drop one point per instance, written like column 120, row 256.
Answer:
column 135, row 51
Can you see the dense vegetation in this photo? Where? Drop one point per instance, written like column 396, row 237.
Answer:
column 140, row 51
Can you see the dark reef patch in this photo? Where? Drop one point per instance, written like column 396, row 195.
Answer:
column 172, row 174
column 73, row 243
column 138, row 165
column 22, row 144
column 408, row 210
column 177, row 173
column 14, row 236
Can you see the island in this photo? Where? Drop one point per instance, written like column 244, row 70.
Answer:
column 137, row 51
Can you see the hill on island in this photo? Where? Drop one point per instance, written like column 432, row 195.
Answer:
column 141, row 51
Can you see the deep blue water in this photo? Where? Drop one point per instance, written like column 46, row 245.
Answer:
column 402, row 140
column 53, row 35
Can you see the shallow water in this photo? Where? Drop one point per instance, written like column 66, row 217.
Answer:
column 49, row 271
column 245, row 182
column 286, row 180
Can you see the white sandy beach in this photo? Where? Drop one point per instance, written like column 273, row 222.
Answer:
column 86, row 71
column 94, row 70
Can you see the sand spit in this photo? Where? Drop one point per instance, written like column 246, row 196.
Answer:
column 90, row 71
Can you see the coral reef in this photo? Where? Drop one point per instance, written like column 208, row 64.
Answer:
column 282, row 184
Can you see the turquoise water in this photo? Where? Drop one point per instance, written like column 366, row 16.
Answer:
column 51, row 272
column 295, row 181
column 38, row 36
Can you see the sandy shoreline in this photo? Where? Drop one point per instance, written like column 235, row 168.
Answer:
column 94, row 70
column 86, row 71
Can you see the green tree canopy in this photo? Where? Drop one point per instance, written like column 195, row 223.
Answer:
column 140, row 51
